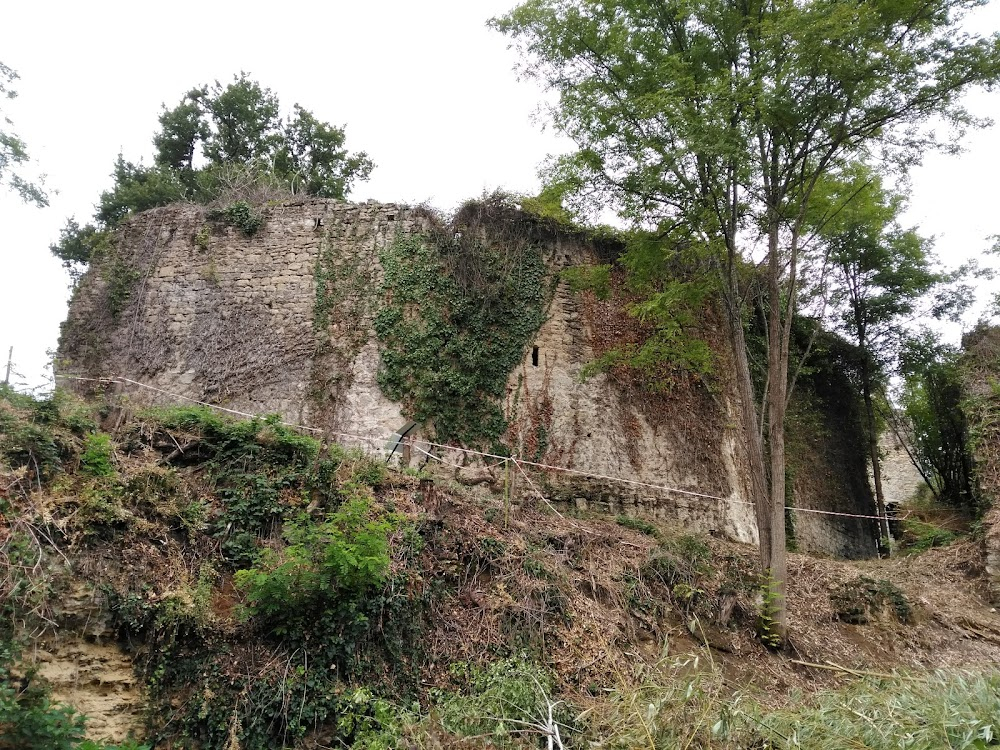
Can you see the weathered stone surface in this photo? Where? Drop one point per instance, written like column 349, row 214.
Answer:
column 237, row 322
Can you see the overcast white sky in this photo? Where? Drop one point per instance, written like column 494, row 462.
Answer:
column 423, row 87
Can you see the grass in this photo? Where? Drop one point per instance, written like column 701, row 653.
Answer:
column 685, row 703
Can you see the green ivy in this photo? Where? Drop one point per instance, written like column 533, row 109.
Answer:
column 121, row 278
column 240, row 214
column 455, row 322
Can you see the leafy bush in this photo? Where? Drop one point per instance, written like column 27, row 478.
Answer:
column 326, row 565
column 241, row 215
column 95, row 461
column 506, row 700
column 41, row 434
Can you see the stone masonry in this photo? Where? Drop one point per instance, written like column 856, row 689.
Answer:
column 281, row 322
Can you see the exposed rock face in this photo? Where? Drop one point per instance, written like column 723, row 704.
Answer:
column 900, row 479
column 86, row 669
column 281, row 322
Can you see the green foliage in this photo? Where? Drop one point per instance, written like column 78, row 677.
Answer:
column 241, row 215
column 920, row 536
column 596, row 279
column 240, row 124
column 250, row 154
column 638, row 524
column 881, row 271
column 136, row 188
column 121, row 277
column 78, row 246
column 669, row 297
column 507, row 699
column 676, row 704
column 202, row 237
column 327, row 565
column 932, row 400
column 254, row 465
column 41, row 435
column 456, row 322
column 685, row 703
column 713, row 122
column 944, row 709
column 768, row 627
column 861, row 600
column 96, row 459
column 14, row 152
column 29, row 719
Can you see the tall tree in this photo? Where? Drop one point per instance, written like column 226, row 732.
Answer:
column 880, row 274
column 715, row 119
column 13, row 150
column 219, row 136
column 932, row 400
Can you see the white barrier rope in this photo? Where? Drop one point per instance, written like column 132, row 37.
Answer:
column 519, row 462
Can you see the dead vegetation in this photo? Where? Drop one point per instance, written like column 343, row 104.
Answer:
column 599, row 601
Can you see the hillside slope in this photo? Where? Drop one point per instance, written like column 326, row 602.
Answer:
column 200, row 583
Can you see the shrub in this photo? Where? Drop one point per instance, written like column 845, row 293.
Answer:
column 241, row 215
column 95, row 461
column 329, row 564
column 505, row 700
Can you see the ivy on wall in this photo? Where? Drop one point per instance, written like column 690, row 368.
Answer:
column 457, row 315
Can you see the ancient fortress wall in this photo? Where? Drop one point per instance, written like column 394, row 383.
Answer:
column 282, row 322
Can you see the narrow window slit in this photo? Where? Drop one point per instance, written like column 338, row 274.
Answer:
column 534, row 356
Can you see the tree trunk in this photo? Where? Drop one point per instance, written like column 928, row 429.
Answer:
column 883, row 520
column 777, row 368
column 751, row 434
column 772, row 535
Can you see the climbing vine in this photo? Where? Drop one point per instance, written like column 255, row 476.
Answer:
column 457, row 316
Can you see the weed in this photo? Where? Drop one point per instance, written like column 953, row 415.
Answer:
column 507, row 699
column 859, row 601
column 202, row 237
column 96, row 459
column 241, row 215
column 638, row 524
column 920, row 536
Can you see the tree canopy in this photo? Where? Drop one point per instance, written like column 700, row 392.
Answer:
column 224, row 142
column 712, row 121
column 13, row 150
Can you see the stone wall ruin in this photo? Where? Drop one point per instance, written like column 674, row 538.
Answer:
column 281, row 322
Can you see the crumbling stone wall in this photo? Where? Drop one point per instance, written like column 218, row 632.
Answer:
column 221, row 317
column 281, row 322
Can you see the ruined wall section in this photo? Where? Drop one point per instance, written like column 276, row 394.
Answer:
column 216, row 315
column 282, row 322
column 603, row 427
